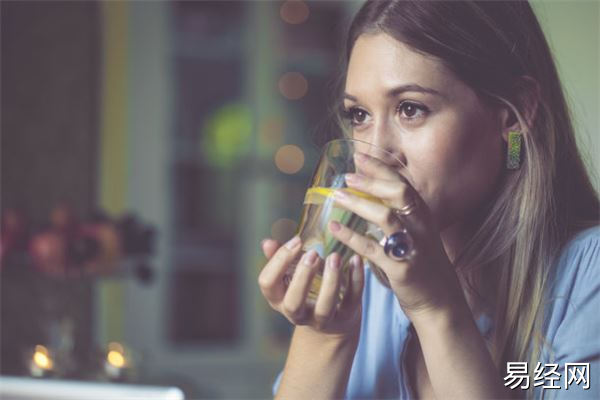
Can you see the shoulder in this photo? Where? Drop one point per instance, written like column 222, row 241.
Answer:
column 579, row 261
column 574, row 300
column 588, row 238
column 571, row 335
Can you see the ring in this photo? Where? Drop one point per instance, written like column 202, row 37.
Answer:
column 406, row 210
column 399, row 245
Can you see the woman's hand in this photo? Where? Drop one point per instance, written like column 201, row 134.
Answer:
column 326, row 316
column 424, row 282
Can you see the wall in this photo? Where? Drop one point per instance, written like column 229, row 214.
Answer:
column 50, row 54
column 572, row 30
column 49, row 108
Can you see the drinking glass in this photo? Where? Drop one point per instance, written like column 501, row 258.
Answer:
column 337, row 159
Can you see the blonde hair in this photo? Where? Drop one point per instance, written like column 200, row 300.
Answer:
column 516, row 246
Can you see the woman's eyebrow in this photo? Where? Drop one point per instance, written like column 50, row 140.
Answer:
column 411, row 87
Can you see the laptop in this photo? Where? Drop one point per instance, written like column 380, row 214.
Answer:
column 16, row 388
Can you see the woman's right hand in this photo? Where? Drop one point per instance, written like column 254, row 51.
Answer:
column 327, row 316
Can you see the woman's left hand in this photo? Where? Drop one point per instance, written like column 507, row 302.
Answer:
column 425, row 282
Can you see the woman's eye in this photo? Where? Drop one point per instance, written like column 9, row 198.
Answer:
column 410, row 110
column 355, row 116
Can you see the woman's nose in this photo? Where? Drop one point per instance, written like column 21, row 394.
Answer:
column 389, row 150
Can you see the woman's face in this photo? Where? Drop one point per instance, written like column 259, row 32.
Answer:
column 414, row 107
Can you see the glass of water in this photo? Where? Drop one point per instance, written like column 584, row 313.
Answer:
column 319, row 208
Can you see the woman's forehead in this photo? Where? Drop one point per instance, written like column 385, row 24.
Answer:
column 380, row 62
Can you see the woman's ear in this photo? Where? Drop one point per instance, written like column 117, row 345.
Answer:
column 520, row 115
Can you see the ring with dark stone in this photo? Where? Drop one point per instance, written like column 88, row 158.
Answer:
column 399, row 245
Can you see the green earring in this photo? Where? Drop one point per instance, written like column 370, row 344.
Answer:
column 513, row 154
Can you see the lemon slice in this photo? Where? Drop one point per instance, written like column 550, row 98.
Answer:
column 318, row 194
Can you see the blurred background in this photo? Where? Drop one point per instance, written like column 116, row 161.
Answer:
column 148, row 148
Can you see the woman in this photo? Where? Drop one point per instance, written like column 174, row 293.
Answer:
column 501, row 212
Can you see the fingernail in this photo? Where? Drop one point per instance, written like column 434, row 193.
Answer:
column 310, row 257
column 333, row 261
column 355, row 261
column 335, row 226
column 262, row 242
column 340, row 195
column 293, row 243
column 353, row 179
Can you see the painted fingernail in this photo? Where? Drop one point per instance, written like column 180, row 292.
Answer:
column 335, row 226
column 340, row 195
column 293, row 243
column 310, row 257
column 353, row 179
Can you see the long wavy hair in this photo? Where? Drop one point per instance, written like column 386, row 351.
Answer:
column 507, row 265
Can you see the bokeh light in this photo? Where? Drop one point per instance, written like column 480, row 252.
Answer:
column 271, row 131
column 294, row 12
column 293, row 85
column 41, row 358
column 283, row 229
column 115, row 359
column 289, row 159
column 115, row 346
column 227, row 135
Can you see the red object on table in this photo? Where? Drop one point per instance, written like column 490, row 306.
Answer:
column 48, row 252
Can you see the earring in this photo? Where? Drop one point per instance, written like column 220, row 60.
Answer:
column 513, row 153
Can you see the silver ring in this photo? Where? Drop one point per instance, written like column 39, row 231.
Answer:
column 399, row 245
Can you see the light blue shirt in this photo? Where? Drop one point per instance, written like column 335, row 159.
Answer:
column 572, row 330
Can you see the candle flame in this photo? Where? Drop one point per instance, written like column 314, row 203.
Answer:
column 41, row 358
column 115, row 359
